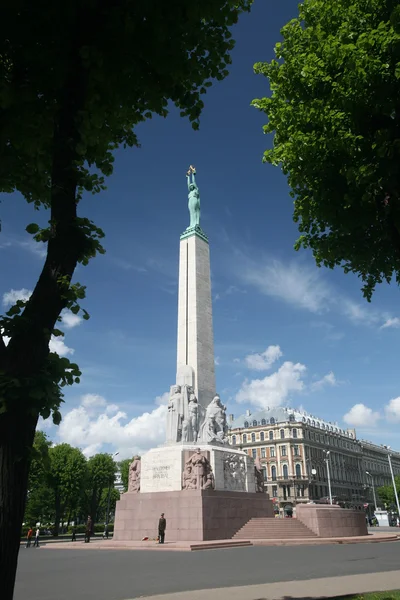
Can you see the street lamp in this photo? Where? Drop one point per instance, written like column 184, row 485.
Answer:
column 373, row 488
column 327, row 452
column 108, row 501
column 393, row 480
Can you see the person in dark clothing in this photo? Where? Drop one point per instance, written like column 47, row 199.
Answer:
column 73, row 534
column 162, row 525
column 88, row 531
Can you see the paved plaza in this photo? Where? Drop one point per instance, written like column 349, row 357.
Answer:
column 45, row 574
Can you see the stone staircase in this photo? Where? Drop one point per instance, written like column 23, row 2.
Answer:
column 273, row 529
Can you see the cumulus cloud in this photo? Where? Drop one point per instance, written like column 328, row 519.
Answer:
column 273, row 390
column 163, row 399
column 394, row 322
column 96, row 422
column 69, row 320
column 58, row 346
column 361, row 416
column 11, row 297
column 328, row 379
column 392, row 410
column 264, row 360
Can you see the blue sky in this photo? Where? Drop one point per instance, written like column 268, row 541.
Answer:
column 337, row 354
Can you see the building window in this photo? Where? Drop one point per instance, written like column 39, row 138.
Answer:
column 254, row 423
column 271, row 435
column 272, row 452
column 264, row 470
column 283, row 451
column 272, row 421
column 246, row 424
column 282, row 433
column 261, row 436
column 234, row 440
column 298, row 471
column 294, row 433
column 253, row 437
column 273, row 473
column 254, row 453
column 285, row 472
column 274, row 491
column 292, row 418
column 244, row 438
column 263, row 422
column 313, row 423
column 263, row 453
column 296, row 450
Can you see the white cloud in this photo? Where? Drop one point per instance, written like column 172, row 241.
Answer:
column 274, row 389
column 70, row 320
column 295, row 283
column 328, row 379
column 264, row 360
column 11, row 297
column 58, row 346
column 95, row 422
column 394, row 322
column 392, row 410
column 361, row 416
column 163, row 399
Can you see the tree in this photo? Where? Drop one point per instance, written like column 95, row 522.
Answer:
column 76, row 77
column 386, row 494
column 335, row 115
column 39, row 496
column 68, row 467
column 123, row 466
column 101, row 469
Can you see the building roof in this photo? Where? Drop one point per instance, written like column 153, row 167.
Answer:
column 272, row 416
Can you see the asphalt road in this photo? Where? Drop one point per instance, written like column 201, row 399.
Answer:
column 45, row 574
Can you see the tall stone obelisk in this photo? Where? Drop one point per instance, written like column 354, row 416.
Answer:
column 195, row 327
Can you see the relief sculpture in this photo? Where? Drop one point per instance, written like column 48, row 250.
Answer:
column 234, row 473
column 134, row 475
column 197, row 474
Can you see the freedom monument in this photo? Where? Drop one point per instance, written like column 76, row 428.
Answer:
column 207, row 489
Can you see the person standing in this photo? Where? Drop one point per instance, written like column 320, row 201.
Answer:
column 29, row 537
column 36, row 542
column 88, row 531
column 162, row 525
column 73, row 534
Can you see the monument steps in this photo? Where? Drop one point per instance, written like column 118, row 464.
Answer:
column 218, row 545
column 272, row 528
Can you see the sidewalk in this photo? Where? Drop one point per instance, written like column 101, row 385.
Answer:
column 304, row 590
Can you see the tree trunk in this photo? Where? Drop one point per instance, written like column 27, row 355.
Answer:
column 16, row 438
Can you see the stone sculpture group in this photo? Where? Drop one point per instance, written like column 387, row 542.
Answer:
column 134, row 475
column 234, row 473
column 187, row 421
column 198, row 474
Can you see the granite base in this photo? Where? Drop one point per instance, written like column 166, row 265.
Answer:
column 192, row 515
column 332, row 520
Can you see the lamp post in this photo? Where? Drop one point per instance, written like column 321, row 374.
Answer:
column 373, row 488
column 108, row 501
column 327, row 453
column 393, row 480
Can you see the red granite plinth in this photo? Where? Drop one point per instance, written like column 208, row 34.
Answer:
column 331, row 521
column 194, row 515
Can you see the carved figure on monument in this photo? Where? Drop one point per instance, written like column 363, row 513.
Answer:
column 210, row 482
column 189, row 479
column 200, row 468
column 175, row 415
column 134, row 475
column 194, row 198
column 234, row 473
column 193, row 410
column 214, row 428
column 259, row 476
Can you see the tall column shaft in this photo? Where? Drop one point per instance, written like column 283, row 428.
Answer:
column 195, row 328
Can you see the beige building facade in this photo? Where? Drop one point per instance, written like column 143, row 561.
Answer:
column 296, row 449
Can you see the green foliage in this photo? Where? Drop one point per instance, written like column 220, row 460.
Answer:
column 123, row 466
column 101, row 475
column 40, row 500
column 70, row 94
column 334, row 113
column 386, row 494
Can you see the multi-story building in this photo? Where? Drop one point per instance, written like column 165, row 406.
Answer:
column 296, row 450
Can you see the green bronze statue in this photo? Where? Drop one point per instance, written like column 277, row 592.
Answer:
column 194, row 198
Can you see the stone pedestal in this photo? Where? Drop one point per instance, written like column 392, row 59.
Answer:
column 332, row 521
column 192, row 515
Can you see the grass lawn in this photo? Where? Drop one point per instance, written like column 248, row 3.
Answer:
column 394, row 595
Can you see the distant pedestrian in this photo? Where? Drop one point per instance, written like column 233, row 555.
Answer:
column 105, row 534
column 37, row 534
column 29, row 537
column 162, row 525
column 88, row 531
column 73, row 534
